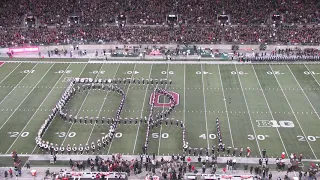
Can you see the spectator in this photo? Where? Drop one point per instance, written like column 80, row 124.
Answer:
column 10, row 172
column 28, row 164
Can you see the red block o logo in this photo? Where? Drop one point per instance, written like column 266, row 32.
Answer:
column 157, row 102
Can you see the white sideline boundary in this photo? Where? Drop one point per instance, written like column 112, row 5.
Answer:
column 163, row 62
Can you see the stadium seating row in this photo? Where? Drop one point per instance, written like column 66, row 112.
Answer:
column 52, row 12
column 152, row 35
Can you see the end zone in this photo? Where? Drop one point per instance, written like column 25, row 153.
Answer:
column 1, row 63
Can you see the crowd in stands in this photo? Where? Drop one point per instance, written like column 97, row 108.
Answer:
column 254, row 34
column 97, row 12
column 154, row 35
column 197, row 20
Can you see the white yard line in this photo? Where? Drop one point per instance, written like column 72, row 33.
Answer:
column 158, row 62
column 205, row 107
column 316, row 82
column 25, row 97
column 312, row 74
column 225, row 105
column 134, row 68
column 304, row 93
column 144, row 100
column 104, row 100
column 36, row 111
column 52, row 120
column 17, row 85
column 9, row 73
column 160, row 133
column 269, row 109
column 81, row 106
column 184, row 94
column 245, row 100
column 292, row 111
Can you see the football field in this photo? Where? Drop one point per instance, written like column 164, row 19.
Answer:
column 272, row 107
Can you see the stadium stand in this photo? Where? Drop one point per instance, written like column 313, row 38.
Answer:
column 94, row 21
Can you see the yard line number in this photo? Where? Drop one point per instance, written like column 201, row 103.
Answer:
column 239, row 72
column 165, row 72
column 98, row 72
column 154, row 135
column 309, row 72
column 64, row 134
column 274, row 72
column 211, row 136
column 16, row 134
column 157, row 135
column 259, row 137
column 67, row 79
column 309, row 138
column 64, row 71
column 27, row 71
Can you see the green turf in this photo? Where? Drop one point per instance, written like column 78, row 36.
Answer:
column 28, row 91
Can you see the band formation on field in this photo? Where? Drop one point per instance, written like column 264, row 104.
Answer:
column 110, row 85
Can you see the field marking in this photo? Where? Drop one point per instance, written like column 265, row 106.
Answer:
column 81, row 106
column 184, row 94
column 25, row 97
column 144, row 100
column 35, row 112
column 104, row 100
column 53, row 119
column 177, row 88
column 304, row 92
column 245, row 100
column 194, row 62
column 10, row 73
column 269, row 108
column 17, row 85
column 225, row 105
column 160, row 136
column 315, row 80
column 134, row 68
column 293, row 111
column 205, row 107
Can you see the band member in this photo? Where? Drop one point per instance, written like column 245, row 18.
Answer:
column 102, row 120
column 97, row 119
column 62, row 149
column 99, row 144
column 93, row 147
column 87, row 148
column 56, row 149
column 70, row 118
column 51, row 148
column 74, row 149
column 69, row 149
column 81, row 149
column 103, row 142
column 46, row 147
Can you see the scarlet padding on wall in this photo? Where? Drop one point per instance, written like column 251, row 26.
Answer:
column 24, row 49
